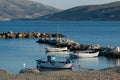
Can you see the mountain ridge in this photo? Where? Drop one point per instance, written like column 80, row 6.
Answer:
column 103, row 12
column 20, row 9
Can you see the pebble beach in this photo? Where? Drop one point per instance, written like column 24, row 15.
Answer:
column 104, row 74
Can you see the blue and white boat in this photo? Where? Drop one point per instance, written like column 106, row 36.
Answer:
column 51, row 63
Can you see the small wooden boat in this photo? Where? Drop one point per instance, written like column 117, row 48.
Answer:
column 56, row 49
column 52, row 64
column 85, row 54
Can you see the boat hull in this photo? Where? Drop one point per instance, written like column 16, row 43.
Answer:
column 86, row 55
column 55, row 65
column 56, row 49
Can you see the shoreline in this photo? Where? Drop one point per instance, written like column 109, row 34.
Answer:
column 48, row 38
column 74, row 46
column 104, row 74
column 12, row 35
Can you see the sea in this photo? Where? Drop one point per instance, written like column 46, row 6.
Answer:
column 16, row 54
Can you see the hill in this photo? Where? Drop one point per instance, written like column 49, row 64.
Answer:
column 25, row 9
column 103, row 12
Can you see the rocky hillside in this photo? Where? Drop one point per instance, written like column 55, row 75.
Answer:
column 104, row 12
column 25, row 9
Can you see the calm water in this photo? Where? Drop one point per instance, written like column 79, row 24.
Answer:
column 15, row 52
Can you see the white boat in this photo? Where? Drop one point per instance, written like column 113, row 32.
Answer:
column 85, row 54
column 50, row 64
column 48, row 49
column 57, row 53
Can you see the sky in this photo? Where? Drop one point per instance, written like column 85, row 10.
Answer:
column 65, row 4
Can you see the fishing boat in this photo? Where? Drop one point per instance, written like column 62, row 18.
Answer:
column 85, row 54
column 52, row 64
column 48, row 49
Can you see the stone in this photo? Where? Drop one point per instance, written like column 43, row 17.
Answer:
column 29, row 70
column 94, row 46
column 4, row 72
column 0, row 36
column 19, row 35
column 116, row 50
column 37, row 35
column 29, row 35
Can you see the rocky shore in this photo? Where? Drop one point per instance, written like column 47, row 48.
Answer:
column 105, row 74
column 4, row 72
column 75, row 46
column 11, row 35
column 47, row 38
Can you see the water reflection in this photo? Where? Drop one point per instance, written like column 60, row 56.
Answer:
column 115, row 61
column 64, row 53
column 118, row 62
column 86, row 63
column 95, row 63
